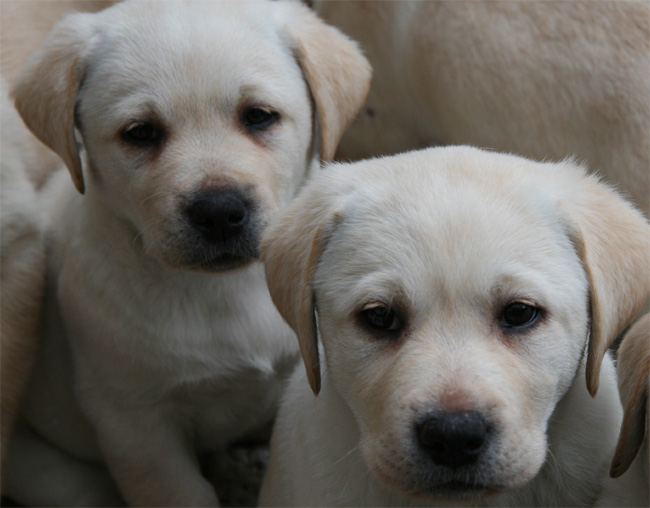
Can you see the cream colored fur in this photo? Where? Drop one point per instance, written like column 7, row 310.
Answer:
column 546, row 80
column 22, row 269
column 445, row 240
column 162, row 344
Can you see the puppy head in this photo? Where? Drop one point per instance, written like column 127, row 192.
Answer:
column 452, row 290
column 633, row 369
column 192, row 121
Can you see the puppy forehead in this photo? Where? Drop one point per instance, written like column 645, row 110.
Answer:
column 449, row 223
column 200, row 50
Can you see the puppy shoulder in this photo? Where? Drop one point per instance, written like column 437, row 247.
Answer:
column 578, row 422
column 631, row 489
column 314, row 447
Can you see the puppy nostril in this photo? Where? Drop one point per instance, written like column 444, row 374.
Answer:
column 453, row 439
column 474, row 443
column 237, row 217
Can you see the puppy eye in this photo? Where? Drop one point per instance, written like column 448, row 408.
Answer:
column 519, row 315
column 142, row 134
column 259, row 118
column 382, row 318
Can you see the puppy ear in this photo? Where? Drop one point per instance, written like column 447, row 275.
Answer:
column 47, row 88
column 612, row 239
column 291, row 248
column 633, row 379
column 337, row 73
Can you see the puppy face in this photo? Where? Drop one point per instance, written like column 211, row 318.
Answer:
column 194, row 135
column 453, row 301
column 196, row 117
column 452, row 322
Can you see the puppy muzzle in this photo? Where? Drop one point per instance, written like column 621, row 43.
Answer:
column 222, row 230
column 451, row 457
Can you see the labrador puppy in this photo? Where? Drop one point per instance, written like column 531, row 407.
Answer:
column 22, row 263
column 449, row 304
column 546, row 80
column 185, row 127
column 630, row 470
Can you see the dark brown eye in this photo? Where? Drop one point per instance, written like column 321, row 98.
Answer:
column 518, row 316
column 142, row 135
column 259, row 118
column 381, row 318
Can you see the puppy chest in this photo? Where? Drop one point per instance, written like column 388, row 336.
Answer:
column 219, row 411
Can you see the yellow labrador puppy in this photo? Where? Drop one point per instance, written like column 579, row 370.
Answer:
column 449, row 304
column 546, row 80
column 185, row 126
column 630, row 466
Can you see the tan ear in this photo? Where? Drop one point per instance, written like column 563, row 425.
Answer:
column 337, row 73
column 290, row 260
column 47, row 88
column 613, row 241
column 633, row 369
column 291, row 248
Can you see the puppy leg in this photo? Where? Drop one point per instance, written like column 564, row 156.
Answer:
column 151, row 458
column 38, row 474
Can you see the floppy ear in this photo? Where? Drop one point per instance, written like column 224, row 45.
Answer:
column 336, row 71
column 612, row 239
column 291, row 248
column 633, row 379
column 47, row 89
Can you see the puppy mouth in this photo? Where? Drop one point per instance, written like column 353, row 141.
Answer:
column 208, row 256
column 223, row 262
column 454, row 492
column 429, row 485
column 191, row 252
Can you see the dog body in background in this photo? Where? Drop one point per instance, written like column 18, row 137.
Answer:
column 187, row 126
column 22, row 271
column 630, row 469
column 454, row 301
column 26, row 24
column 546, row 80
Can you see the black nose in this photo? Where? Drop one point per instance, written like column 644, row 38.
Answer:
column 219, row 215
column 453, row 439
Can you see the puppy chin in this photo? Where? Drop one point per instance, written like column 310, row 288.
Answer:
column 452, row 493
column 202, row 257
column 212, row 260
column 222, row 263
column 454, row 488
column 458, row 494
